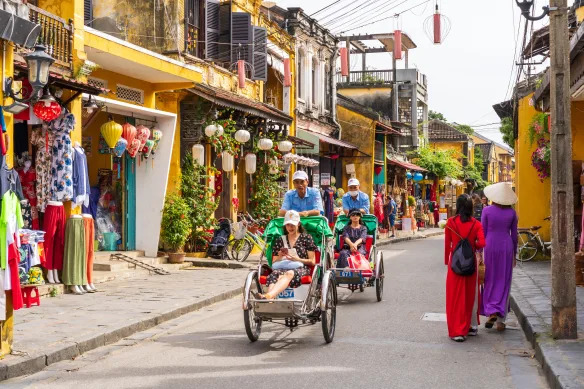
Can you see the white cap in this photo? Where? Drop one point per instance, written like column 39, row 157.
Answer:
column 292, row 217
column 300, row 175
column 353, row 181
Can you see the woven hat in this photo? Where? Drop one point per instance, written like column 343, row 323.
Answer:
column 501, row 193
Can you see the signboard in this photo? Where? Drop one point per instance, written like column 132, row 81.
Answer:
column 325, row 179
column 316, row 181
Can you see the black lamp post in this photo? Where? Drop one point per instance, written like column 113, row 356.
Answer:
column 38, row 67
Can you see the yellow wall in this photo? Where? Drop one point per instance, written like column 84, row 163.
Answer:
column 455, row 146
column 351, row 92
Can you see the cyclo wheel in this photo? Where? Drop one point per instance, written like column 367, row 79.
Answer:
column 253, row 324
column 379, row 279
column 527, row 246
column 329, row 314
column 237, row 249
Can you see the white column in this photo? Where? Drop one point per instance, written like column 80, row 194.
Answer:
column 308, row 78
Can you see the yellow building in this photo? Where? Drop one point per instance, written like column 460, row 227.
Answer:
column 498, row 160
column 443, row 136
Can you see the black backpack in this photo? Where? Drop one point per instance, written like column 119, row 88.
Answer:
column 463, row 260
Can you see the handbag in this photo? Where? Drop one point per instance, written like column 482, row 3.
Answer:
column 359, row 262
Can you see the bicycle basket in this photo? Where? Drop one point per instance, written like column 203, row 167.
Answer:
column 239, row 230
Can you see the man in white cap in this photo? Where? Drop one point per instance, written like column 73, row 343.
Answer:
column 355, row 199
column 302, row 199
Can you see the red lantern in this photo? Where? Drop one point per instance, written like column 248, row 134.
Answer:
column 378, row 169
column 129, row 132
column 287, row 74
column 133, row 148
column 397, row 44
column 47, row 110
column 142, row 134
column 344, row 62
column 241, row 73
column 437, row 27
column 437, row 31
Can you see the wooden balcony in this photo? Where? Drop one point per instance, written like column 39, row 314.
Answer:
column 367, row 78
column 56, row 35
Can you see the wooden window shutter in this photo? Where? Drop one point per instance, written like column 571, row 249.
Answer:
column 212, row 29
column 225, row 33
column 87, row 12
column 241, row 37
column 260, row 54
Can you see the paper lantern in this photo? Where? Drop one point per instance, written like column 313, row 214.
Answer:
column 409, row 175
column 241, row 73
column 120, row 147
column 265, row 144
column 344, row 61
column 199, row 154
column 133, row 148
column 287, row 73
column 397, row 44
column 437, row 30
column 111, row 132
column 147, row 149
column 250, row 163
column 273, row 166
column 210, row 130
column 128, row 132
column 143, row 134
column 227, row 161
column 156, row 137
column 285, row 146
column 418, row 177
column 219, row 131
column 242, row 136
column 47, row 110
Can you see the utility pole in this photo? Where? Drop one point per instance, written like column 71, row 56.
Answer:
column 564, row 321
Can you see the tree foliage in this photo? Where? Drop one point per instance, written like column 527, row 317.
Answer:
column 465, row 129
column 443, row 163
column 474, row 171
column 433, row 115
column 507, row 131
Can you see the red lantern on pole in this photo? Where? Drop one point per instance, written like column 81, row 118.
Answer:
column 437, row 30
column 241, row 73
column 437, row 27
column 344, row 62
column 397, row 44
column 287, row 74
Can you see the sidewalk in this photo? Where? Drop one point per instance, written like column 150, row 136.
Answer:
column 66, row 326
column 562, row 360
column 403, row 236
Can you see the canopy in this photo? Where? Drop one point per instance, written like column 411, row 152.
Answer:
column 406, row 165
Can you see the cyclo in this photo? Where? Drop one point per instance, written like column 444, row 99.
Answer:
column 313, row 301
column 360, row 279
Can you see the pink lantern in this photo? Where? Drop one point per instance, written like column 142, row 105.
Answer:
column 47, row 110
column 287, row 73
column 142, row 134
column 344, row 62
column 128, row 132
column 437, row 35
column 241, row 73
column 133, row 148
column 397, row 44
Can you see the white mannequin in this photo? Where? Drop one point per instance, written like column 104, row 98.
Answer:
column 50, row 278
column 55, row 203
column 89, row 287
column 54, row 277
column 76, row 217
column 75, row 289
column 27, row 165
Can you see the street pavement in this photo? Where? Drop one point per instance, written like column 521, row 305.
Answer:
column 377, row 345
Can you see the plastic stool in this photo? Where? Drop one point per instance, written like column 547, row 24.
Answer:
column 27, row 296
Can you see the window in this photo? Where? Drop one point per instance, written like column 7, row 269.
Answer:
column 193, row 23
column 328, row 98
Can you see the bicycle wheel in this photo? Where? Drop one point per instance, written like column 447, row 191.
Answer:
column 237, row 249
column 527, row 246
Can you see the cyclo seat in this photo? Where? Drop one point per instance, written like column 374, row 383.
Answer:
column 305, row 280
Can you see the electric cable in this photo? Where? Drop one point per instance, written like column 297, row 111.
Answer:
column 362, row 8
column 359, row 19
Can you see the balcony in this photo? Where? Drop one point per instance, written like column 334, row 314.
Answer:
column 367, row 78
column 56, row 34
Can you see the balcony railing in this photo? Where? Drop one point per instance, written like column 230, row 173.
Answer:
column 56, row 34
column 368, row 77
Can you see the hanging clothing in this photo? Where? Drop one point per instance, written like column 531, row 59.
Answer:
column 9, row 180
column 28, row 180
column 460, row 290
column 89, row 229
column 94, row 196
column 500, row 225
column 54, row 227
column 10, row 222
column 74, row 259
column 329, row 204
column 26, row 213
column 42, row 140
column 62, row 158
column 81, row 186
column 14, row 259
column 378, row 208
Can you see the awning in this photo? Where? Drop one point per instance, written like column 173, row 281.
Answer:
column 241, row 103
column 300, row 142
column 382, row 128
column 333, row 141
column 406, row 165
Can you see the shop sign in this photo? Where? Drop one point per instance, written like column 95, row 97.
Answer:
column 316, row 181
column 325, row 179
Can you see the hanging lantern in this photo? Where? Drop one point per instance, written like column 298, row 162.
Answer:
column 437, row 37
column 156, row 137
column 210, row 130
column 47, row 109
column 147, row 149
column 242, row 136
column 143, row 134
column 128, row 132
column 241, row 73
column 133, row 148
column 437, row 27
column 199, row 154
column 273, row 166
column 265, row 144
column 284, row 146
column 409, row 175
column 120, row 147
column 287, row 73
column 344, row 62
column 418, row 177
column 219, row 131
column 111, row 132
column 397, row 44
column 378, row 169
column 250, row 163
column 227, row 161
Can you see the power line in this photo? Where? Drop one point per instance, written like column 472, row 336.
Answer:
column 328, row 6
column 340, row 18
column 337, row 11
column 365, row 16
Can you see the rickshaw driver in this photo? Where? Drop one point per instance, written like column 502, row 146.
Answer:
column 302, row 199
column 355, row 199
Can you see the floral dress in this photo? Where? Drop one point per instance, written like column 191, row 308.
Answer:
column 27, row 179
column 62, row 158
column 354, row 234
column 42, row 140
column 303, row 245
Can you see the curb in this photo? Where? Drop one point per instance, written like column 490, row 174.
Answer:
column 216, row 263
column 408, row 238
column 36, row 363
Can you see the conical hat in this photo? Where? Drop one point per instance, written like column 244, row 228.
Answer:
column 501, row 193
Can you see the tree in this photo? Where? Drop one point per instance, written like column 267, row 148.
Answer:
column 474, row 171
column 465, row 129
column 442, row 163
column 433, row 115
column 507, row 131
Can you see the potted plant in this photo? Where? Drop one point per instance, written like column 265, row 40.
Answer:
column 175, row 227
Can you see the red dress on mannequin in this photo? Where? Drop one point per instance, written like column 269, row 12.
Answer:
column 28, row 180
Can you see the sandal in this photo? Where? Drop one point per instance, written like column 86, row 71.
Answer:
column 501, row 327
column 459, row 339
column 473, row 331
column 491, row 321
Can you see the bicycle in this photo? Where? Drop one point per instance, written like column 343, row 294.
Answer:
column 244, row 239
column 529, row 243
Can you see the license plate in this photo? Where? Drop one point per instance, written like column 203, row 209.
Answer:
column 287, row 294
column 346, row 274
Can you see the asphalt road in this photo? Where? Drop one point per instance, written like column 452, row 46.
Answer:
column 377, row 345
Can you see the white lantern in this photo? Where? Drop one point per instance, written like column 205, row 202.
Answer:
column 227, row 161
column 242, row 136
column 273, row 166
column 199, row 154
column 265, row 144
column 250, row 163
column 219, row 131
column 210, row 130
column 285, row 146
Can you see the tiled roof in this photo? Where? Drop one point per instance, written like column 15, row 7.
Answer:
column 440, row 131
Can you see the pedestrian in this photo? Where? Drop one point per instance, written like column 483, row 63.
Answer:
column 477, row 206
column 462, row 291
column 378, row 206
column 392, row 212
column 485, row 201
column 500, row 223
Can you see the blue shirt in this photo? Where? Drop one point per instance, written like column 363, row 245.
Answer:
column 311, row 201
column 361, row 202
column 393, row 208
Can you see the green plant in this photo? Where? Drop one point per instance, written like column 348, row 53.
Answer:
column 538, row 128
column 175, row 226
column 507, row 130
column 443, row 163
column 464, row 128
column 53, row 292
column 433, row 115
column 265, row 193
column 541, row 157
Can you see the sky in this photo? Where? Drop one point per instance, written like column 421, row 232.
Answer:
column 468, row 73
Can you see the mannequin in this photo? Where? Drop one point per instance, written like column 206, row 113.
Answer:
column 89, row 237
column 54, row 241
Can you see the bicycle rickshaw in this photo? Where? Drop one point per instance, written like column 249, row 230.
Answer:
column 313, row 301
column 360, row 279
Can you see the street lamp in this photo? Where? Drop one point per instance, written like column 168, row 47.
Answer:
column 38, row 67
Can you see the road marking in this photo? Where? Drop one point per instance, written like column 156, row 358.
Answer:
column 431, row 316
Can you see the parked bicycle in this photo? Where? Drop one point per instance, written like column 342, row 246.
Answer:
column 247, row 234
column 530, row 243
